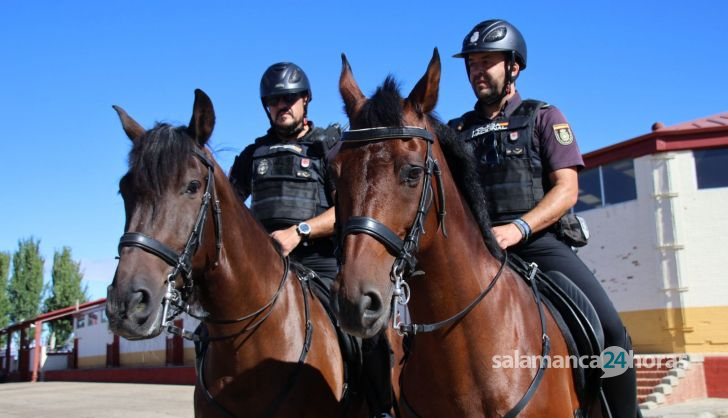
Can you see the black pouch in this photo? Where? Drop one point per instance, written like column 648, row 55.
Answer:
column 572, row 230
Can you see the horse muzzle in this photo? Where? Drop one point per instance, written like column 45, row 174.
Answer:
column 134, row 311
column 363, row 313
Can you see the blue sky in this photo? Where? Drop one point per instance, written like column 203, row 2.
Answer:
column 612, row 67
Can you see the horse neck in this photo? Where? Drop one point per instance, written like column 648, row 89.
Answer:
column 470, row 266
column 249, row 269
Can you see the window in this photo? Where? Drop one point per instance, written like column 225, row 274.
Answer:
column 618, row 181
column 605, row 185
column 93, row 318
column 590, row 194
column 711, row 168
column 80, row 321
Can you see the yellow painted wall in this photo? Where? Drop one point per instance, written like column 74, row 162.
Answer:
column 189, row 356
column 143, row 358
column 687, row 330
column 91, row 362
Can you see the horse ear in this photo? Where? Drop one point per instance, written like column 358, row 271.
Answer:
column 350, row 91
column 203, row 118
column 424, row 94
column 133, row 130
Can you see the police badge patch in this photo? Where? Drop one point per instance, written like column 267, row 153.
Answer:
column 563, row 134
column 263, row 167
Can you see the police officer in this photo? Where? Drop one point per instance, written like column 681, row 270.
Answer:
column 529, row 162
column 284, row 173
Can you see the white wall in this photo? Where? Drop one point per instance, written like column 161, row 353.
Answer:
column 666, row 249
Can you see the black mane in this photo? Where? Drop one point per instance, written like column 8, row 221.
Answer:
column 158, row 157
column 384, row 108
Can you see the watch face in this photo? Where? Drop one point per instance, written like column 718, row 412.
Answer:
column 304, row 228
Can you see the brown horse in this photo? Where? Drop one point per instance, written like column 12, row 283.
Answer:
column 390, row 171
column 272, row 349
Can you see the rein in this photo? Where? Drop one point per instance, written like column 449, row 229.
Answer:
column 175, row 301
column 181, row 262
column 405, row 261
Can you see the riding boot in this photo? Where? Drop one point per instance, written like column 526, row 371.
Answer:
column 621, row 390
column 377, row 366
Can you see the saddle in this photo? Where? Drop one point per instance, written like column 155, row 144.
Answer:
column 578, row 321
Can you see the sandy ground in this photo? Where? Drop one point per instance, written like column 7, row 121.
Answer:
column 81, row 400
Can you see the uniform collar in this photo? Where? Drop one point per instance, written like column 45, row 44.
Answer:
column 507, row 110
column 274, row 136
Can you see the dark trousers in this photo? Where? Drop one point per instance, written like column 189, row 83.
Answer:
column 551, row 254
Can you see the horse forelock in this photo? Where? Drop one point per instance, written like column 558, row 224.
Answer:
column 384, row 108
column 158, row 158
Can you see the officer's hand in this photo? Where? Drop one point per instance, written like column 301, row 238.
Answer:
column 507, row 235
column 288, row 238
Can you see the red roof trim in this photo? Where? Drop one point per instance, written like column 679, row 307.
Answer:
column 662, row 140
column 57, row 314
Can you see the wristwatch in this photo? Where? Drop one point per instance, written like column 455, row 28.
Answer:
column 304, row 230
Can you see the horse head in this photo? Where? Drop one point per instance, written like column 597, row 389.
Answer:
column 383, row 190
column 166, row 195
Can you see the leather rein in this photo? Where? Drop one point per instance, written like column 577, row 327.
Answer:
column 405, row 261
column 176, row 301
column 404, row 266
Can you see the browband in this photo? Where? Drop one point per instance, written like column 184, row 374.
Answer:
column 375, row 134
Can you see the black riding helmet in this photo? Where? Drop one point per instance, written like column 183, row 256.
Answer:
column 283, row 78
column 493, row 36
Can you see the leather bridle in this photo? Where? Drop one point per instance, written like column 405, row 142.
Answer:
column 175, row 300
column 405, row 249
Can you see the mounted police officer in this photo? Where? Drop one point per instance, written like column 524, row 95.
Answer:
column 284, row 173
column 529, row 161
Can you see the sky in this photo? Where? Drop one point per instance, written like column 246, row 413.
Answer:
column 612, row 67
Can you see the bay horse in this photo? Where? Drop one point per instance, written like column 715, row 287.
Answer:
column 390, row 171
column 272, row 350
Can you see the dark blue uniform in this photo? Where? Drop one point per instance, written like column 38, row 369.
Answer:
column 287, row 183
column 517, row 150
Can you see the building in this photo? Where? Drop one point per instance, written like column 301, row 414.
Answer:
column 97, row 354
column 655, row 209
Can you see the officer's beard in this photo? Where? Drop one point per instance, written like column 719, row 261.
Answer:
column 289, row 131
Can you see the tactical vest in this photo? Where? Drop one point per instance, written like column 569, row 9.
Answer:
column 287, row 183
column 510, row 164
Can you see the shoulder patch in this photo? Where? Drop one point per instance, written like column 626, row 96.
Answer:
column 563, row 133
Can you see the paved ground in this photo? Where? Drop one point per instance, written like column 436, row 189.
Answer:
column 117, row 400
column 87, row 400
column 701, row 408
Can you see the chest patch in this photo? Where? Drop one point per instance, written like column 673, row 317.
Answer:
column 493, row 126
column 263, row 167
column 563, row 133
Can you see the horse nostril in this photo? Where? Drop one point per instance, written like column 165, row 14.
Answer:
column 372, row 302
column 138, row 306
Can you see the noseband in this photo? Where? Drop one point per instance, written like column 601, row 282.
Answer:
column 405, row 261
column 181, row 263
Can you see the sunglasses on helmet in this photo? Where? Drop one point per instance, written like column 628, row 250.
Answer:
column 289, row 98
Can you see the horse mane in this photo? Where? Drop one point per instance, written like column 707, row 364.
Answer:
column 384, row 108
column 158, row 157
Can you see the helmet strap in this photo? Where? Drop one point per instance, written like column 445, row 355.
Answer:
column 510, row 59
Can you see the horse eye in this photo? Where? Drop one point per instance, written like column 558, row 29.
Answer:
column 193, row 187
column 411, row 174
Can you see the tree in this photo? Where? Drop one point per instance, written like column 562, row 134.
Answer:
column 66, row 290
column 4, row 302
column 26, row 284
